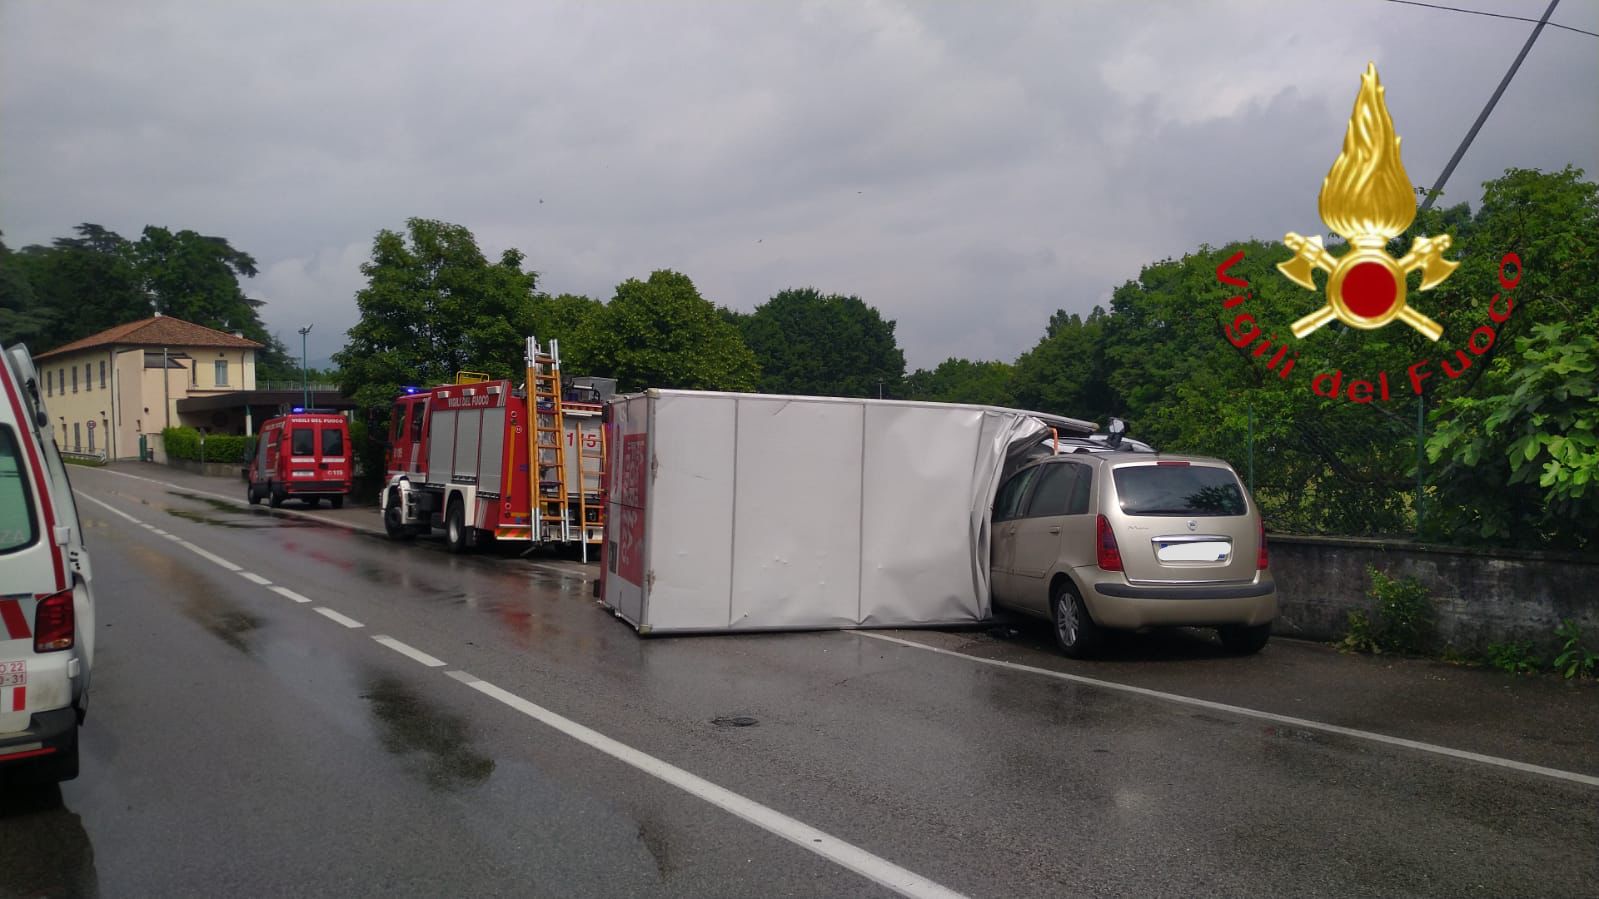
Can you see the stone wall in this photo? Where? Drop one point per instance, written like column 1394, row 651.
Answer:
column 1479, row 596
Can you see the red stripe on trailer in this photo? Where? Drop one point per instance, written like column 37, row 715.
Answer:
column 19, row 698
column 12, row 756
column 34, row 465
column 16, row 622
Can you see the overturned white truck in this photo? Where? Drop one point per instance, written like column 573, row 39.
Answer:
column 747, row 512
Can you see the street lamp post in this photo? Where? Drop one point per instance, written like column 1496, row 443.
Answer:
column 305, row 382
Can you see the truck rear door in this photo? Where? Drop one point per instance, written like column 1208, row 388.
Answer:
column 302, row 462
column 333, row 459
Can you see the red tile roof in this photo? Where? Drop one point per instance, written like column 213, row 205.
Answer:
column 162, row 330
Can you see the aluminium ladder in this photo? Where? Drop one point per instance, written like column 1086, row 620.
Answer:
column 548, row 481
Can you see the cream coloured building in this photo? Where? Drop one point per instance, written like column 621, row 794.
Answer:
column 107, row 391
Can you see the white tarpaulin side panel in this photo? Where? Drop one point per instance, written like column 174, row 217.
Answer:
column 738, row 512
column 689, row 535
column 797, row 543
column 916, row 523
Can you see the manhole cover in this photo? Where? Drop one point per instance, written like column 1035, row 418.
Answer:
column 734, row 721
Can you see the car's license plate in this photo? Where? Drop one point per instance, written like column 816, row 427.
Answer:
column 13, row 674
column 1193, row 551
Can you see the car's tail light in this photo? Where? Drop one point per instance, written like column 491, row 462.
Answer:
column 1261, row 560
column 1110, row 555
column 53, row 622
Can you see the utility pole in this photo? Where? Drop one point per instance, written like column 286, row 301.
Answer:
column 305, row 382
column 1471, row 135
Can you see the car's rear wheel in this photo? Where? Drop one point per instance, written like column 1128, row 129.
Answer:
column 1244, row 640
column 1076, row 634
column 456, row 534
column 275, row 495
column 393, row 521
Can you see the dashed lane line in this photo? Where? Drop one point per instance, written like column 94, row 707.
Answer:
column 874, row 868
column 345, row 620
column 290, row 594
column 1370, row 736
column 410, row 652
column 255, row 578
column 210, row 556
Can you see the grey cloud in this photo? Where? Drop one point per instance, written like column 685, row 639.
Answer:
column 966, row 167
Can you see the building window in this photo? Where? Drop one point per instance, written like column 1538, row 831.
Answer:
column 88, row 376
column 74, row 379
column 222, row 373
column 49, row 383
column 77, row 428
column 102, row 375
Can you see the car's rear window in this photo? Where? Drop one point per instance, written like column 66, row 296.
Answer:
column 332, row 442
column 19, row 525
column 1179, row 490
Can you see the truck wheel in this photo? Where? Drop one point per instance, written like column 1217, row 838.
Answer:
column 275, row 495
column 311, row 502
column 392, row 522
column 252, row 495
column 456, row 533
column 336, row 502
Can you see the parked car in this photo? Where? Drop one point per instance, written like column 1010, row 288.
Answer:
column 1116, row 538
column 46, row 603
column 302, row 455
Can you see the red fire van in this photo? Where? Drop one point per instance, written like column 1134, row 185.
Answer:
column 305, row 456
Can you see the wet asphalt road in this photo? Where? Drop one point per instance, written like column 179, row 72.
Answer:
column 241, row 743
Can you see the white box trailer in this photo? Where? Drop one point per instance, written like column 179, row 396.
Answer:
column 745, row 512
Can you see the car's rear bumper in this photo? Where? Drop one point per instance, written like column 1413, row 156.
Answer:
column 1120, row 604
column 321, row 488
column 48, row 734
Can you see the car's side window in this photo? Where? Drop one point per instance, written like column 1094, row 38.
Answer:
column 1007, row 505
column 1053, row 494
column 1080, row 495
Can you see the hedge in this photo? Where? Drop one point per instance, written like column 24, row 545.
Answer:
column 184, row 443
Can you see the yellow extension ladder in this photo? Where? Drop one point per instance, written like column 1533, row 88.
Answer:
column 548, row 484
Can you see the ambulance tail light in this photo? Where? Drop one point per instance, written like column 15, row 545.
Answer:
column 54, row 622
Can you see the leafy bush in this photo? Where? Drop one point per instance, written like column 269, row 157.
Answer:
column 1575, row 658
column 1402, row 621
column 184, row 443
column 1514, row 657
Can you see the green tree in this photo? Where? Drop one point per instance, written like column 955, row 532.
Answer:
column 820, row 344
column 94, row 275
column 1065, row 373
column 23, row 319
column 561, row 317
column 661, row 333
column 1523, row 418
column 433, row 306
column 962, row 381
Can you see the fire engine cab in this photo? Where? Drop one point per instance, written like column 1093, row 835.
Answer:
column 485, row 459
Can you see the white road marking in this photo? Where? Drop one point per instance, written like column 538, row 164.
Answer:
column 109, row 508
column 1305, row 723
column 285, row 591
column 375, row 529
column 846, row 855
column 209, row 556
column 172, row 536
column 409, row 651
column 252, row 576
column 345, row 620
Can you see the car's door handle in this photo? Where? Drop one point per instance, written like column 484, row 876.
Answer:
column 1054, row 530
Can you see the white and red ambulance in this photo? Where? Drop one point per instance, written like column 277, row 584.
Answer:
column 46, row 608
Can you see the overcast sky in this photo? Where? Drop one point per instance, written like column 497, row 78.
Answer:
column 965, row 167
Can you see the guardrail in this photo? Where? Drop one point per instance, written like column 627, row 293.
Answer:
column 93, row 458
column 296, row 385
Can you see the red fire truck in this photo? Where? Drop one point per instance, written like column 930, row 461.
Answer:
column 484, row 458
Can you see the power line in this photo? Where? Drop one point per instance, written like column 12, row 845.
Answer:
column 1438, row 189
column 1494, row 15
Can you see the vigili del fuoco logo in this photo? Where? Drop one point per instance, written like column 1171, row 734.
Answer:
column 1367, row 199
